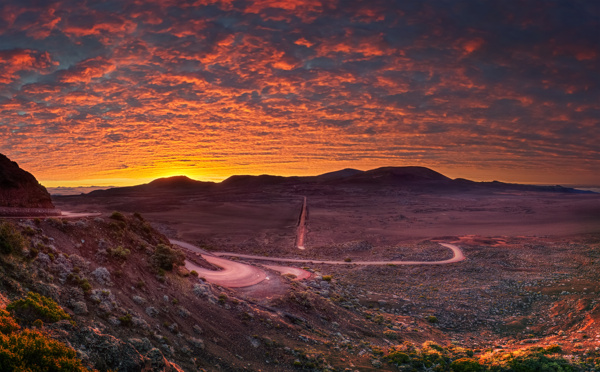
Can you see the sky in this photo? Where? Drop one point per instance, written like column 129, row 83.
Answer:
column 122, row 92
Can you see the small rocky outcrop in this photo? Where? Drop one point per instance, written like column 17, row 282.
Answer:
column 20, row 189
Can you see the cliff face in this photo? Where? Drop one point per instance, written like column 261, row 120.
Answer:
column 20, row 189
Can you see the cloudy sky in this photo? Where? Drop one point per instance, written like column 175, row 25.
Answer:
column 121, row 92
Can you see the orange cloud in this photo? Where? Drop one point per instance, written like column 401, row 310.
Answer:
column 87, row 70
column 14, row 61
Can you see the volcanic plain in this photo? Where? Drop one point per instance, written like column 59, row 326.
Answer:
column 530, row 276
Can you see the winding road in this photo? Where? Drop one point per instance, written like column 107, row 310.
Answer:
column 235, row 274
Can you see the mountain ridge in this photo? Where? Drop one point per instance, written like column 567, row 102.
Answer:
column 413, row 178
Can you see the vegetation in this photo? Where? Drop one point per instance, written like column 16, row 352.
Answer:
column 117, row 216
column 327, row 278
column 35, row 306
column 165, row 257
column 126, row 320
column 432, row 319
column 11, row 241
column 437, row 358
column 31, row 350
column 119, row 253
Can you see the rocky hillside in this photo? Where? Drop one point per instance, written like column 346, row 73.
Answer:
column 20, row 189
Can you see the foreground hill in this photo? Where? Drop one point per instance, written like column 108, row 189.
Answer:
column 19, row 188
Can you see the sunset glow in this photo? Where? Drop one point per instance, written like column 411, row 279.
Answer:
column 120, row 93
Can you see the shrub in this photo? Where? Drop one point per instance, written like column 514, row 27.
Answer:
column 11, row 241
column 432, row 319
column 7, row 322
column 327, row 278
column 194, row 273
column 35, row 306
column 31, row 350
column 120, row 253
column 347, row 259
column 165, row 257
column 466, row 365
column 117, row 216
column 126, row 320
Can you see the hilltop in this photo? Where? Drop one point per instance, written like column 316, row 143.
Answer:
column 20, row 189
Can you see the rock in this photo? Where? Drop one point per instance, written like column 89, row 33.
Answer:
column 79, row 308
column 138, row 300
column 107, row 352
column 159, row 363
column 102, row 276
column 152, row 311
column 196, row 343
column 142, row 345
column 20, row 189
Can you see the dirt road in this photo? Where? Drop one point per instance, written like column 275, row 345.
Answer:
column 301, row 226
column 236, row 275
column 456, row 251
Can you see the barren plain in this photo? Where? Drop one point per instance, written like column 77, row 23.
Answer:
column 530, row 277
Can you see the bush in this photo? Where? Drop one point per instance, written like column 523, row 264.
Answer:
column 165, row 257
column 194, row 273
column 432, row 319
column 126, row 320
column 120, row 253
column 117, row 216
column 466, row 365
column 35, row 306
column 7, row 322
column 327, row 278
column 31, row 350
column 11, row 241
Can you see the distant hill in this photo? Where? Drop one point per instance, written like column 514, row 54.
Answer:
column 20, row 189
column 415, row 179
column 168, row 184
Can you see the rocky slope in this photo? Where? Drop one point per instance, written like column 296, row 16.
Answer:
column 20, row 189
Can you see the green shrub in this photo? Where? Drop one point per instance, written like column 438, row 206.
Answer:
column 119, row 253
column 327, row 278
column 35, row 306
column 466, row 365
column 397, row 358
column 165, row 257
column 552, row 349
column 7, row 322
column 126, row 320
column 11, row 241
column 117, row 216
column 194, row 273
column 31, row 350
column 432, row 319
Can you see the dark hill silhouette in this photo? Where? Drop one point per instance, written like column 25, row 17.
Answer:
column 397, row 176
column 337, row 175
column 20, row 189
column 159, row 185
column 415, row 179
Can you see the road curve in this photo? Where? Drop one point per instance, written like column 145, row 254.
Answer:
column 232, row 275
column 236, row 274
column 456, row 251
